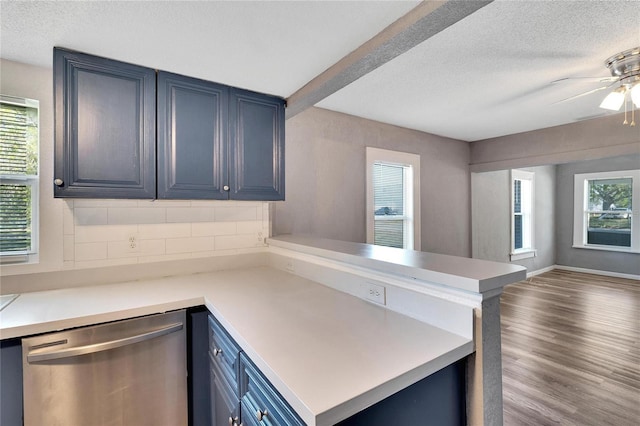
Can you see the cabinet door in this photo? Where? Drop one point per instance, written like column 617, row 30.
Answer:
column 192, row 122
column 104, row 127
column 256, row 152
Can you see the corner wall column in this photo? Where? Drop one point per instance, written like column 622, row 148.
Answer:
column 484, row 366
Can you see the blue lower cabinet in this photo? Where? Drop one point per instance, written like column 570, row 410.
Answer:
column 261, row 404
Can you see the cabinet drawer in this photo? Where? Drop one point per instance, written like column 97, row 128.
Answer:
column 224, row 353
column 261, row 404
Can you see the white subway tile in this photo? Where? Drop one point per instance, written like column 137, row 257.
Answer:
column 137, row 215
column 105, row 203
column 90, row 216
column 235, row 214
column 152, row 247
column 214, row 253
column 118, row 249
column 90, row 251
column 205, row 229
column 260, row 249
column 188, row 245
column 90, row 234
column 163, row 258
column 67, row 219
column 227, row 242
column 164, row 230
column 189, row 214
column 164, row 203
column 209, row 203
column 68, row 248
column 249, row 227
column 105, row 262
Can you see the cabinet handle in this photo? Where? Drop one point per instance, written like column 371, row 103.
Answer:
column 226, row 188
column 261, row 414
column 216, row 351
column 58, row 182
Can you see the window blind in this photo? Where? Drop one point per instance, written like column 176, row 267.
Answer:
column 18, row 161
column 388, row 184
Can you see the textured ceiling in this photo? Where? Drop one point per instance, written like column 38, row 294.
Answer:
column 487, row 75
column 268, row 46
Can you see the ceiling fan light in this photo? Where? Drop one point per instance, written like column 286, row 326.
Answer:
column 635, row 94
column 614, row 100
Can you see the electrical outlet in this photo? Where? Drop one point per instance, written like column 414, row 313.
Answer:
column 376, row 293
column 133, row 243
column 289, row 266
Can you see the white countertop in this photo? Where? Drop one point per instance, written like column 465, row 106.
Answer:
column 473, row 275
column 329, row 354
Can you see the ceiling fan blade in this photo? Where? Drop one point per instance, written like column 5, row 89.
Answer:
column 585, row 79
column 583, row 94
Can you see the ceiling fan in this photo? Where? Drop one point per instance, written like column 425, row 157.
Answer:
column 625, row 73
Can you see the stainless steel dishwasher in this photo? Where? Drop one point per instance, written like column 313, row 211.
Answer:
column 131, row 372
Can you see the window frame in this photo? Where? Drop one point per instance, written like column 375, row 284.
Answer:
column 33, row 181
column 412, row 204
column 530, row 251
column 580, row 209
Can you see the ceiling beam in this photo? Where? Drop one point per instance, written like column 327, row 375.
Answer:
column 422, row 22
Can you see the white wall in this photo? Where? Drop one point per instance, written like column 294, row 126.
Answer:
column 94, row 233
column 325, row 180
column 491, row 217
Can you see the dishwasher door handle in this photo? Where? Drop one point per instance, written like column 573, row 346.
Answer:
column 102, row 346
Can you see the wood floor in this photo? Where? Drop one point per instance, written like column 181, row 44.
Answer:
column 571, row 350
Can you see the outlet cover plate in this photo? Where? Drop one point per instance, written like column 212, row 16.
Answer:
column 376, row 293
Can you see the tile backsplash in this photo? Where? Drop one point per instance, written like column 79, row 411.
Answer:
column 118, row 232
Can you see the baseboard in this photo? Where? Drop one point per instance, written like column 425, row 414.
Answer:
column 541, row 271
column 595, row 272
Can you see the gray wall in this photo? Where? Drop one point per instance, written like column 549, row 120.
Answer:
column 585, row 140
column 491, row 221
column 325, row 180
column 625, row 263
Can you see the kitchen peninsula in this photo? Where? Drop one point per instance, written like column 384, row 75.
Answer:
column 293, row 312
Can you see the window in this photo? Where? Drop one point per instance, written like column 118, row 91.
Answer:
column 604, row 218
column 18, row 178
column 393, row 198
column 522, row 230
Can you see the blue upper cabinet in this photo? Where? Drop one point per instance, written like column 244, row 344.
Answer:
column 192, row 122
column 104, row 127
column 256, row 146
column 214, row 142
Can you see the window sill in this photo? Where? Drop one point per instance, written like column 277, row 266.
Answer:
column 607, row 248
column 524, row 254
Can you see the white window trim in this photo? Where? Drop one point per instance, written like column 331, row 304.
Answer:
column 34, row 182
column 581, row 198
column 374, row 155
column 525, row 252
